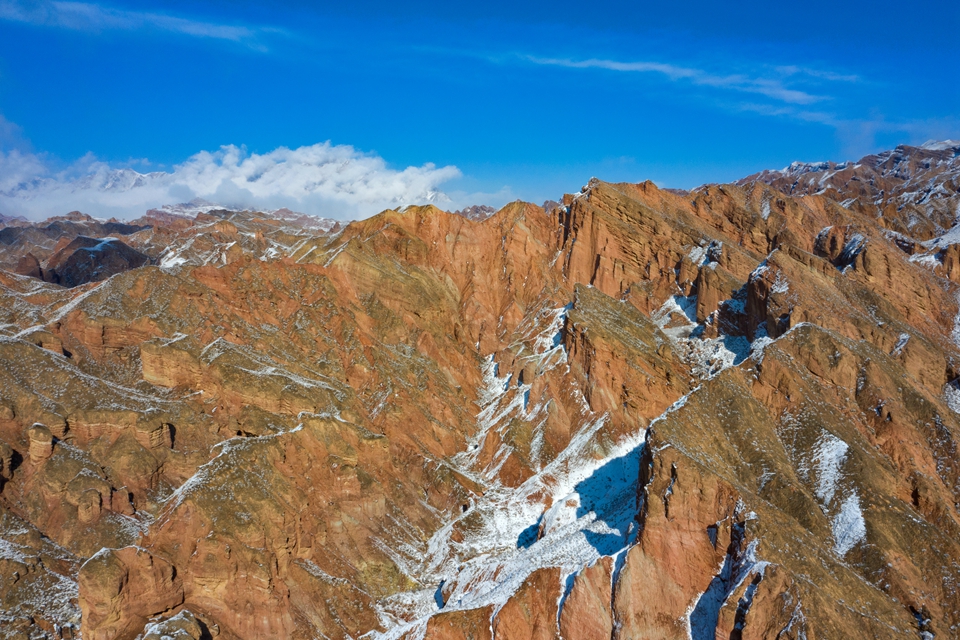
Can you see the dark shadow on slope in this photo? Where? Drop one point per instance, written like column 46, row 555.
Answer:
column 529, row 535
column 704, row 617
column 612, row 492
column 205, row 633
column 438, row 595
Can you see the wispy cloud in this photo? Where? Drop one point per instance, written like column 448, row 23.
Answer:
column 792, row 70
column 82, row 16
column 861, row 135
column 771, row 87
column 11, row 135
column 788, row 111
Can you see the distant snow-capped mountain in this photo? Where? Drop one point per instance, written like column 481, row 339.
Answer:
column 199, row 206
column 191, row 209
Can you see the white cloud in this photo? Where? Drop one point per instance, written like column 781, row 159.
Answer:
column 18, row 169
column 773, row 88
column 82, row 16
column 335, row 181
column 11, row 135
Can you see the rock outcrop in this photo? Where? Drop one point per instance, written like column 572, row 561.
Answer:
column 86, row 260
column 41, row 443
column 121, row 589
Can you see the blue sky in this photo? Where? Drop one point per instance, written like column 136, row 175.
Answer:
column 485, row 102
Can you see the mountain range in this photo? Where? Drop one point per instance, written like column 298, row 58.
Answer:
column 731, row 412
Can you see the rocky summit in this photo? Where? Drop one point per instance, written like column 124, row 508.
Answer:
column 732, row 413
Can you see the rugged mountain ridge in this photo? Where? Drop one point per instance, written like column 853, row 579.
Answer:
column 911, row 190
column 640, row 413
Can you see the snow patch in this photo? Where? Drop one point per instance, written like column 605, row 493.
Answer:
column 549, row 343
column 902, row 341
column 765, row 208
column 929, row 260
column 581, row 507
column 955, row 334
column 698, row 255
column 707, row 357
column 853, row 247
column 941, row 145
column 780, row 285
column 830, row 453
column 848, row 527
column 12, row 551
column 951, row 393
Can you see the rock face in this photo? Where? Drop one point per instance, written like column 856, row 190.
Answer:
column 82, row 260
column 25, row 246
column 725, row 413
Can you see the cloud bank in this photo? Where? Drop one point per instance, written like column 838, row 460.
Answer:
column 335, row 181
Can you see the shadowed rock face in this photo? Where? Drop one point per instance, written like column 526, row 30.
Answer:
column 729, row 413
column 86, row 260
column 28, row 265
